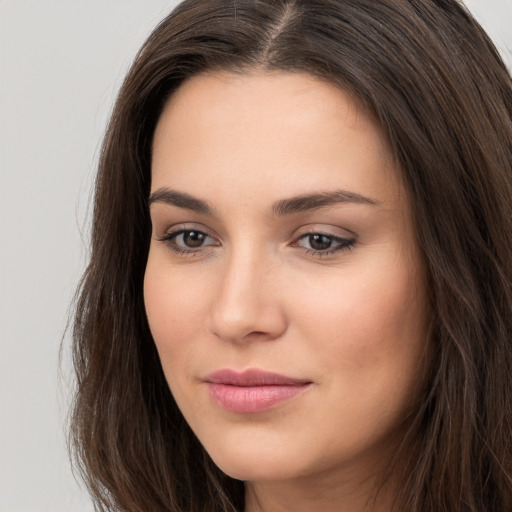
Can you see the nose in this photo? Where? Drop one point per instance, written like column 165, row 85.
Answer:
column 246, row 304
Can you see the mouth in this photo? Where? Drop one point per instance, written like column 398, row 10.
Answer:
column 253, row 390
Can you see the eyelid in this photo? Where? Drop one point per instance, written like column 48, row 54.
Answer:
column 171, row 234
column 324, row 229
column 185, row 226
column 344, row 241
column 340, row 241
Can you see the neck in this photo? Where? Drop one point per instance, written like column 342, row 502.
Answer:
column 329, row 493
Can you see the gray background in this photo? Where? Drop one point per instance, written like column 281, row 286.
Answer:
column 61, row 63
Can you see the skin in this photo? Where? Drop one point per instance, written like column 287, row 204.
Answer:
column 254, row 294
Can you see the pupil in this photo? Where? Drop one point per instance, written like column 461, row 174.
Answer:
column 193, row 238
column 320, row 242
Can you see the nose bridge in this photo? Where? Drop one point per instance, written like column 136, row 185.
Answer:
column 246, row 302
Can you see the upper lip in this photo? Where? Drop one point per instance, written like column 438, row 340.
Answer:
column 252, row 377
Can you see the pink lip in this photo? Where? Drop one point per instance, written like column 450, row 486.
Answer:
column 252, row 390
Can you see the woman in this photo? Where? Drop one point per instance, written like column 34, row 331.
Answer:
column 299, row 294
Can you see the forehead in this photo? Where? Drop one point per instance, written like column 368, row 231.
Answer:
column 282, row 133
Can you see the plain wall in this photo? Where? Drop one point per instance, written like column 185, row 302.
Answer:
column 61, row 63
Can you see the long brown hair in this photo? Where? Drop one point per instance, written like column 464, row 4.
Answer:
column 435, row 82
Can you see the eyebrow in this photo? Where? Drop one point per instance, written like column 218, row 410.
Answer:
column 181, row 200
column 313, row 201
column 282, row 207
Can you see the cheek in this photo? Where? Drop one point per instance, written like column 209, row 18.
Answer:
column 174, row 307
column 367, row 334
column 371, row 326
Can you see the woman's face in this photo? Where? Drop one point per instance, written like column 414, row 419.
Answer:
column 283, row 288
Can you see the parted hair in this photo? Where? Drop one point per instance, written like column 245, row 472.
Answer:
column 437, row 86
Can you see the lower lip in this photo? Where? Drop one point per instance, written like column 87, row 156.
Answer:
column 253, row 399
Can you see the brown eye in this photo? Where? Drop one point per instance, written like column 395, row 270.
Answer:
column 193, row 239
column 188, row 241
column 319, row 242
column 322, row 244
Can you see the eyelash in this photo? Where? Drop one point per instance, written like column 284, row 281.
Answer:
column 344, row 244
column 170, row 240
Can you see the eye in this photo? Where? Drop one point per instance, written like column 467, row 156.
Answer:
column 323, row 244
column 185, row 241
column 191, row 239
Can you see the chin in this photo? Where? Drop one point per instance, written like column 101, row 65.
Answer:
column 254, row 462
column 257, row 469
